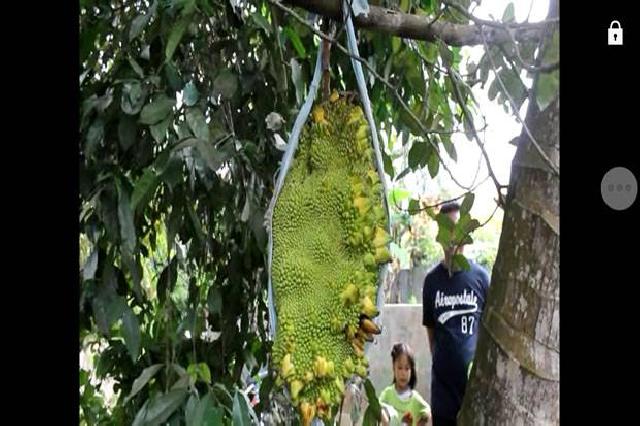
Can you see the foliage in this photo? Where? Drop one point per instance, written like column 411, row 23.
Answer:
column 176, row 170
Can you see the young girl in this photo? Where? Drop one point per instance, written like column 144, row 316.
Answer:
column 401, row 404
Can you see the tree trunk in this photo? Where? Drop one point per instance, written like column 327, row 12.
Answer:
column 516, row 374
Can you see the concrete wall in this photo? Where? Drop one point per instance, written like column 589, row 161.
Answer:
column 400, row 323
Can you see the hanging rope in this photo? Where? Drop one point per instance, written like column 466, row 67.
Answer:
column 352, row 46
column 293, row 144
column 284, row 168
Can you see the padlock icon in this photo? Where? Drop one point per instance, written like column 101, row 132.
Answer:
column 615, row 33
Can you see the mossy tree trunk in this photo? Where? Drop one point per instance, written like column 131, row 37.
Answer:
column 515, row 378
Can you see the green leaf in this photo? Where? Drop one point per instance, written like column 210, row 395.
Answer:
column 99, row 307
column 212, row 157
column 460, row 262
column 434, row 97
column 204, row 373
column 397, row 195
column 372, row 399
column 197, row 123
column 509, row 13
column 214, row 301
column 256, row 223
column 174, row 38
column 144, row 188
column 159, row 130
column 295, row 40
column 225, row 84
column 396, row 44
column 433, row 164
column 88, row 38
column 192, row 371
column 463, row 228
column 445, row 229
column 125, row 218
column 259, row 20
column 134, row 268
column 107, row 306
column 157, row 110
column 137, row 26
column 221, row 389
column 98, row 103
column 449, row 147
column 126, row 132
column 95, row 135
column 546, row 89
column 370, row 417
column 132, row 98
column 190, row 411
column 188, row 7
column 414, row 206
column 445, row 53
column 197, row 225
column 514, row 86
column 161, row 407
column 91, row 265
column 493, row 89
column 167, row 280
column 410, row 125
column 212, row 416
column 136, row 67
column 144, row 377
column 241, row 411
column 131, row 333
column 418, row 154
column 429, row 51
column 182, row 129
column 467, row 203
column 203, row 413
column 190, row 95
column 388, row 164
column 173, row 76
column 179, row 369
column 139, row 420
column 174, row 222
column 141, row 21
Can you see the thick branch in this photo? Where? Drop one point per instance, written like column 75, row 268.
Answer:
column 421, row 27
column 418, row 122
column 469, row 119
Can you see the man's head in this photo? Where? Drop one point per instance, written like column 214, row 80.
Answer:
column 452, row 210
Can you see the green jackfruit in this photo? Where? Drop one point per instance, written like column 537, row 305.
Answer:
column 328, row 242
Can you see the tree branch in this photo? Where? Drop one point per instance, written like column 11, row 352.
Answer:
column 417, row 27
column 404, row 106
column 469, row 120
column 421, row 209
column 531, row 68
column 497, row 24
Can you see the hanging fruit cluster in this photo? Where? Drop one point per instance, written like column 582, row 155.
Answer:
column 329, row 239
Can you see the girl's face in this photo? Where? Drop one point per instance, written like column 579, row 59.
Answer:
column 402, row 371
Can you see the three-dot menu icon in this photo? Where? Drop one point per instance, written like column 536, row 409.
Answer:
column 619, row 188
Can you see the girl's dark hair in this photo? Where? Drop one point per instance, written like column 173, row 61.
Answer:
column 400, row 349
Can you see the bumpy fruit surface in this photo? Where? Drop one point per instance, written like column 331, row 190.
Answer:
column 329, row 239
